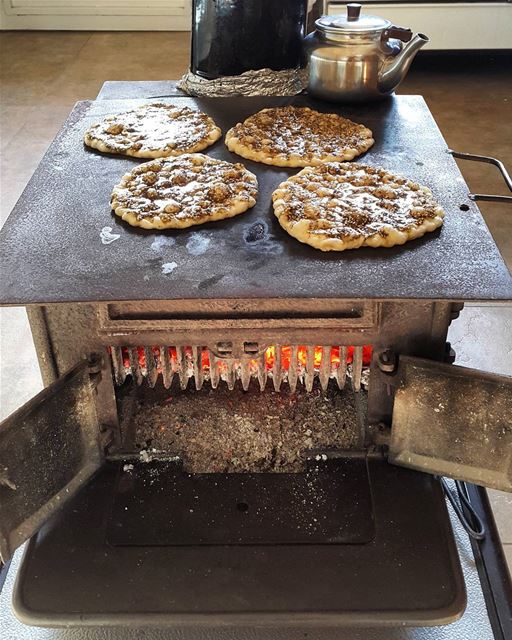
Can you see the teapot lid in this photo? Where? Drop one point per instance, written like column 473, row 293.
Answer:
column 352, row 22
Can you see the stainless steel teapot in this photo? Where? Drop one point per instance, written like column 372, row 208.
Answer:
column 358, row 57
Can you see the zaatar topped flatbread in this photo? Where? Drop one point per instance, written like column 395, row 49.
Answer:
column 338, row 206
column 173, row 193
column 153, row 131
column 298, row 137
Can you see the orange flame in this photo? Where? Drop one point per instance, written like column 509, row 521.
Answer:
column 286, row 356
column 270, row 354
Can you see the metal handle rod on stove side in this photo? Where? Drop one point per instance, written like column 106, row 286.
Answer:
column 489, row 160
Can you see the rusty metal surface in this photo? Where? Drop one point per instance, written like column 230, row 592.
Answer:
column 48, row 450
column 52, row 250
column 453, row 421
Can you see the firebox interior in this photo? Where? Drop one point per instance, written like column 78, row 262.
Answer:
column 242, row 466
column 229, row 431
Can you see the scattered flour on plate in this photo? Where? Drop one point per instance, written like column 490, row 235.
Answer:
column 168, row 267
column 160, row 242
column 198, row 244
column 107, row 237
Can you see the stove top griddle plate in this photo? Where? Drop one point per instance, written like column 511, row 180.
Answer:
column 52, row 250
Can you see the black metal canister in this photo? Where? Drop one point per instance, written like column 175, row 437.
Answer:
column 230, row 37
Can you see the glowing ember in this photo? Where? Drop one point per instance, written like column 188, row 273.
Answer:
column 270, row 353
column 286, row 356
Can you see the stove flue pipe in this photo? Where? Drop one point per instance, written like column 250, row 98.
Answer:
column 252, row 47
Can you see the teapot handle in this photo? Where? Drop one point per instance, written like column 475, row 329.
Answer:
column 399, row 33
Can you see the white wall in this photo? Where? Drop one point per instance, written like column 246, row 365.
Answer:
column 455, row 25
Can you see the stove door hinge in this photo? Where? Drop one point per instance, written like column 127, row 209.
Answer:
column 379, row 435
column 95, row 365
column 106, row 438
column 108, row 435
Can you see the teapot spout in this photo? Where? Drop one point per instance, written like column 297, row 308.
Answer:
column 394, row 71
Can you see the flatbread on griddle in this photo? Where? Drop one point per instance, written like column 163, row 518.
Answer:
column 173, row 193
column 298, row 137
column 337, row 206
column 153, row 131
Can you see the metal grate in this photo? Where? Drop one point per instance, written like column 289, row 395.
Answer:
column 281, row 364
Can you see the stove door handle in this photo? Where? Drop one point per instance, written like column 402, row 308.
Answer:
column 497, row 163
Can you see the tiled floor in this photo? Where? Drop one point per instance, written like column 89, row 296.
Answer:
column 43, row 74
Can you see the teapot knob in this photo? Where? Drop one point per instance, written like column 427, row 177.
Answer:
column 353, row 11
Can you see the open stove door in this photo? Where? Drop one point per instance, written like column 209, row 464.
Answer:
column 452, row 421
column 48, row 449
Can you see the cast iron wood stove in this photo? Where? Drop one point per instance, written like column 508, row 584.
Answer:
column 129, row 528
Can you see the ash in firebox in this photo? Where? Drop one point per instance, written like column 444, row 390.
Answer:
column 236, row 431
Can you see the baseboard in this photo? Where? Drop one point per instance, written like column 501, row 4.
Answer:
column 99, row 15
